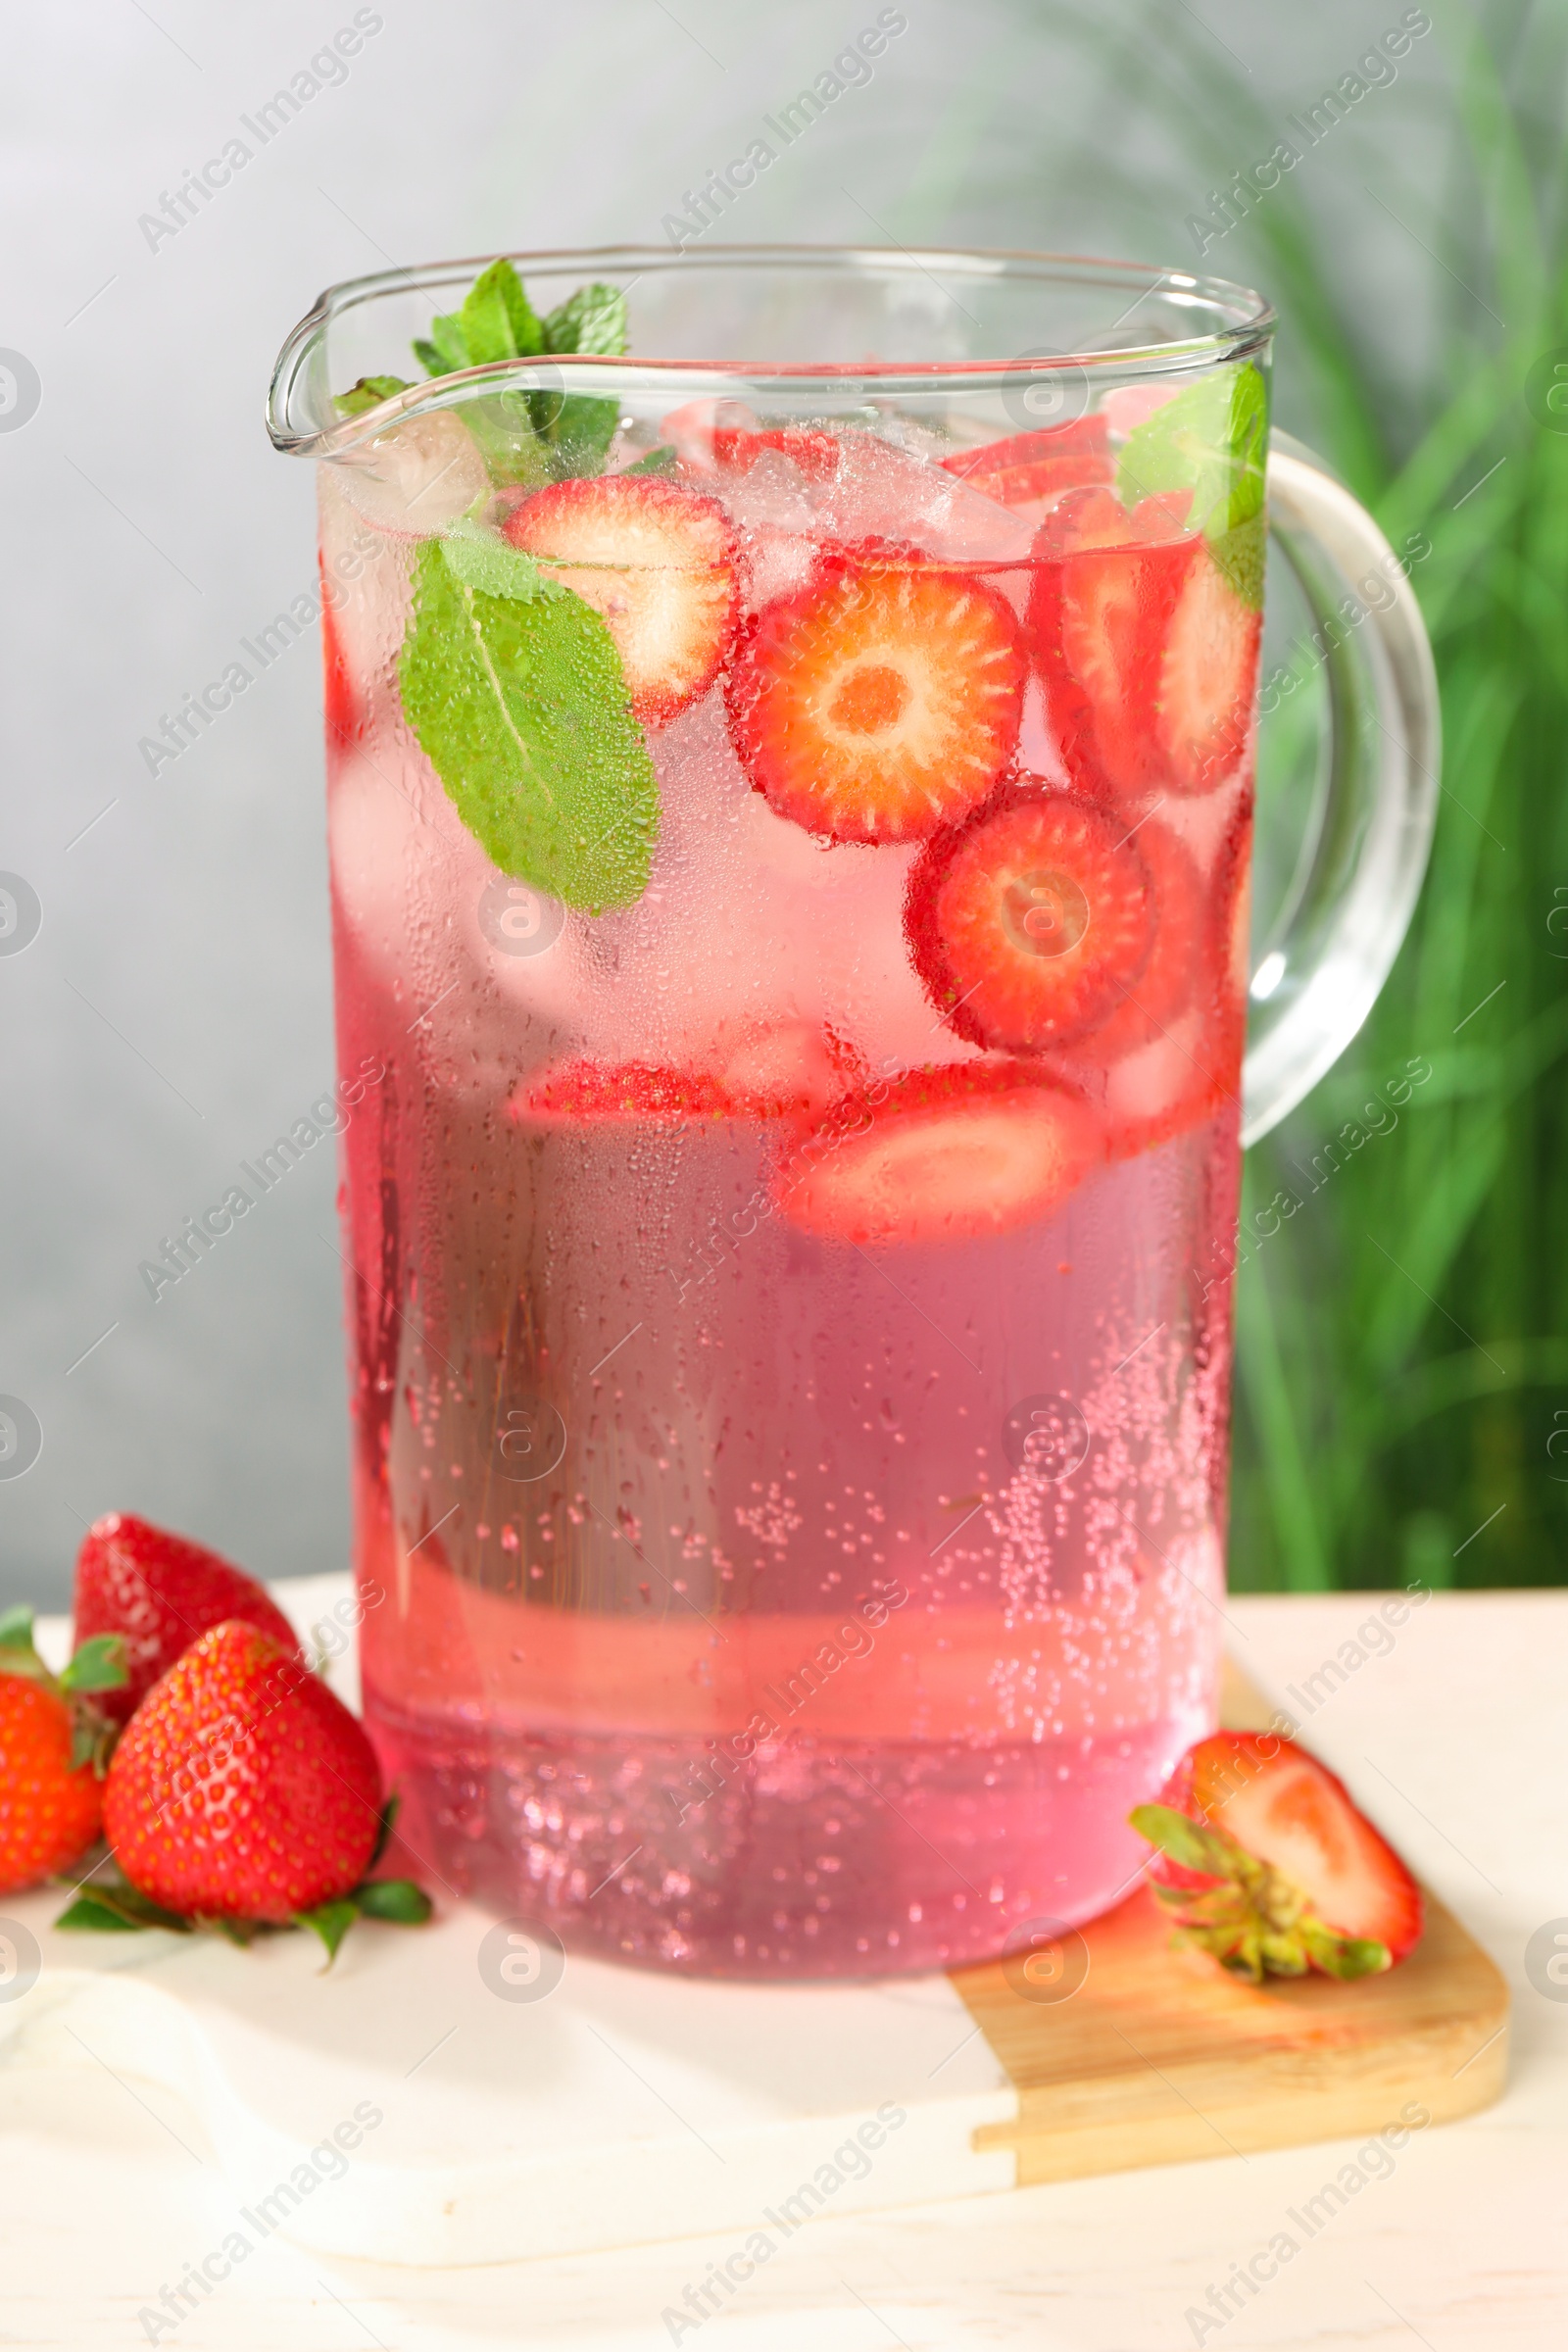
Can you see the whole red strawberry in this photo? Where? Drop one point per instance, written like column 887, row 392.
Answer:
column 54, row 1733
column 242, row 1789
column 159, row 1592
column 48, row 1811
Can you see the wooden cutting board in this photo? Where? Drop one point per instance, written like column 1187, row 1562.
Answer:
column 1123, row 2053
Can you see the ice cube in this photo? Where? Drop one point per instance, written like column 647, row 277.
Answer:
column 884, row 492
column 690, row 430
column 418, row 475
column 1128, row 405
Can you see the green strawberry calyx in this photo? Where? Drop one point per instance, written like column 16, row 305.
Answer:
column 1253, row 1920
column 98, row 1664
column 106, row 1902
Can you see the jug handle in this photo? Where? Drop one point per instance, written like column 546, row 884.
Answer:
column 1360, row 868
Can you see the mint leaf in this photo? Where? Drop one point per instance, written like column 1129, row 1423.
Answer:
column 1209, row 439
column 658, row 461
column 397, row 1900
column 482, row 560
column 503, row 425
column 1241, row 554
column 499, row 321
column 447, row 349
column 367, row 393
column 579, row 430
column 525, row 437
column 593, row 320
column 519, row 705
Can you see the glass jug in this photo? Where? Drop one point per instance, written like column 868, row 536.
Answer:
column 790, row 796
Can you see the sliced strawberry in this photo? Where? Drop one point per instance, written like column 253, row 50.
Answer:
column 1106, row 584
column 1161, row 1089
column 881, row 700
column 759, row 1070
column 1149, row 653
column 1030, row 922
column 1207, row 677
column 1178, row 966
column 786, row 1069
column 816, row 454
column 659, row 563
column 1268, row 1865
column 625, row 1094
column 943, row 1155
column 1030, row 468
column 341, row 702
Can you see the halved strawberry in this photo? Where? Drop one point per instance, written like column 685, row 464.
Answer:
column 658, row 563
column 1147, row 653
column 881, row 700
column 1028, row 469
column 1030, row 922
column 1267, row 1864
column 624, row 1094
column 944, row 1154
column 816, row 454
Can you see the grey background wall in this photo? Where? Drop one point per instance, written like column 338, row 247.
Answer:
column 172, row 1013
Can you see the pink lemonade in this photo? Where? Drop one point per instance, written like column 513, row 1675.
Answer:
column 789, row 1290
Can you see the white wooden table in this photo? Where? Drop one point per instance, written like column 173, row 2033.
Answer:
column 1456, row 1739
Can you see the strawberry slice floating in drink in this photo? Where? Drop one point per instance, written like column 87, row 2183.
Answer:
column 1265, row 1863
column 659, row 563
column 1030, row 923
column 1029, row 470
column 622, row 1093
column 757, row 1070
column 945, row 1155
column 816, row 454
column 1148, row 652
column 1178, row 967
column 880, row 701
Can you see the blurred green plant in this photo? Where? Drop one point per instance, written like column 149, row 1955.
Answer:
column 1402, row 1369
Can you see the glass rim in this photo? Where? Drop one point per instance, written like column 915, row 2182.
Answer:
column 1245, row 322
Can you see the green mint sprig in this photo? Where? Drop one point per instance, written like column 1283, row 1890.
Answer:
column 1211, row 439
column 513, row 687
column 368, row 393
column 526, row 437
